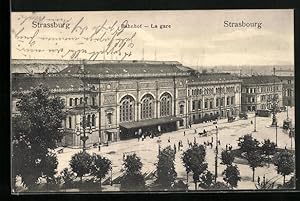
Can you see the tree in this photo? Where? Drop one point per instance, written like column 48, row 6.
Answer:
column 288, row 185
column 248, row 144
column 219, row 186
column 231, row 175
column 284, row 161
column 254, row 160
column 68, row 177
column 206, row 179
column 194, row 161
column 100, row 167
column 227, row 157
column 81, row 164
column 34, row 133
column 268, row 148
column 49, row 166
column 166, row 174
column 132, row 180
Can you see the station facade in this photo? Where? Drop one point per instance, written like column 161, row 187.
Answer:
column 126, row 99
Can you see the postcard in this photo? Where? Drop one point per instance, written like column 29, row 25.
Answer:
column 152, row 101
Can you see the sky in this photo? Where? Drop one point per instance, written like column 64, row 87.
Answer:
column 195, row 37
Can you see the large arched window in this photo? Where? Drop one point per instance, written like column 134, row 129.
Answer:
column 147, row 107
column 93, row 120
column 165, row 105
column 127, row 109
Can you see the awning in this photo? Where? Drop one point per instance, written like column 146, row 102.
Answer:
column 111, row 130
column 149, row 122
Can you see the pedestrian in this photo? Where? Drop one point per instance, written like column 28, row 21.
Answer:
column 204, row 132
column 175, row 148
column 99, row 147
column 230, row 147
column 195, row 140
column 212, row 139
column 183, row 133
column 219, row 142
column 204, row 143
column 169, row 140
column 251, row 122
column 258, row 180
column 123, row 156
column 226, row 147
column 211, row 145
column 195, row 130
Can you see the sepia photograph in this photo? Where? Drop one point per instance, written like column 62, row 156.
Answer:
column 152, row 101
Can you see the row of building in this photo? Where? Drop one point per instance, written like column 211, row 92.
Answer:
column 124, row 99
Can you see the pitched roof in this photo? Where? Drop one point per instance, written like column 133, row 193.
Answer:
column 260, row 79
column 25, row 83
column 286, row 77
column 105, row 68
column 213, row 77
column 121, row 68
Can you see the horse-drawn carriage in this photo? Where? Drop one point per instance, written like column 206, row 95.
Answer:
column 287, row 124
column 243, row 115
column 231, row 119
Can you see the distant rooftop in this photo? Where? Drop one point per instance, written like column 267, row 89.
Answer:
column 260, row 79
column 128, row 68
column 25, row 83
column 213, row 77
column 100, row 67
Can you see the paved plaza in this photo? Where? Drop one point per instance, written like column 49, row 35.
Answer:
column 228, row 133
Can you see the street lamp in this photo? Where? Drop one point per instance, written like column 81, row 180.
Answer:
column 274, row 104
column 216, row 157
column 83, row 137
column 254, row 122
column 276, row 132
column 186, row 104
column 111, row 180
column 255, row 110
column 158, row 142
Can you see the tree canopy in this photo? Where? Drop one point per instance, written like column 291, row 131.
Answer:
column 248, row 144
column 166, row 174
column 132, row 180
column 194, row 161
column 35, row 131
column 284, row 161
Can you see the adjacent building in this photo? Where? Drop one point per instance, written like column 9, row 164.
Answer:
column 288, row 90
column 213, row 94
column 259, row 92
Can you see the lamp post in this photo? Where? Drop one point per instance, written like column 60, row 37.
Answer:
column 274, row 105
column 186, row 104
column 216, row 157
column 276, row 132
column 83, row 137
column 111, row 180
column 254, row 122
column 158, row 142
column 255, row 111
